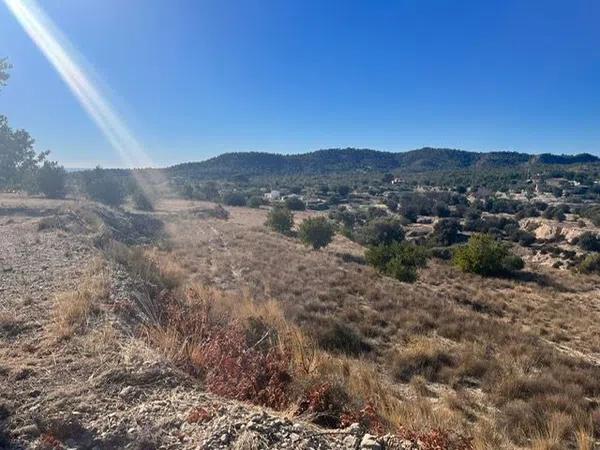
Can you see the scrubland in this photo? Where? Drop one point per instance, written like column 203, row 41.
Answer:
column 452, row 361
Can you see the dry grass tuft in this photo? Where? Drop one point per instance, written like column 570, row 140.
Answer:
column 74, row 309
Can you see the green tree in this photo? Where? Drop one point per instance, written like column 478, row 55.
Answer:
column 51, row 179
column 234, row 199
column 381, row 231
column 486, row 256
column 101, row 185
column 316, row 232
column 295, row 204
column 18, row 159
column 280, row 219
column 255, row 201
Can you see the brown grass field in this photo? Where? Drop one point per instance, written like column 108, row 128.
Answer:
column 512, row 362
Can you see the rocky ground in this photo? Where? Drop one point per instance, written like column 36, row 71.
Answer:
column 107, row 389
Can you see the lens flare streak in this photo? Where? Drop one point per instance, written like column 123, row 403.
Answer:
column 61, row 55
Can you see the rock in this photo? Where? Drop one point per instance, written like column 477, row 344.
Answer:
column 370, row 442
column 350, row 442
column 27, row 430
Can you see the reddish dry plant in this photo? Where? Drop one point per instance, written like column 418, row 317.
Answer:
column 199, row 415
column 233, row 369
column 438, row 440
column 50, row 442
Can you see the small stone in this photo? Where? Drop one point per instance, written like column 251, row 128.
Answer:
column 350, row 442
column 369, row 442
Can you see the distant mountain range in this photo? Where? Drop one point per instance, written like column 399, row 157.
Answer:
column 352, row 159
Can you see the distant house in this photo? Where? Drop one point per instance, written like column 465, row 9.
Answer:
column 272, row 196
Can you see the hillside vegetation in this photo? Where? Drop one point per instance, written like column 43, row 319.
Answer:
column 351, row 159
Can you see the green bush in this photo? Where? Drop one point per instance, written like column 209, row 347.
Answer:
column 446, row 232
column 104, row 187
column 485, row 256
column 51, row 179
column 398, row 259
column 316, row 232
column 589, row 242
column 294, row 204
column 381, row 231
column 280, row 219
column 234, row 199
column 590, row 264
column 255, row 202
column 142, row 200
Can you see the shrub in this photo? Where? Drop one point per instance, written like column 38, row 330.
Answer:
column 590, row 264
column 142, row 200
column 51, row 179
column 344, row 190
column 340, row 338
column 280, row 219
column 398, row 259
column 445, row 232
column 381, row 231
column 295, row 204
column 440, row 209
column 316, row 231
column 589, row 242
column 234, row 199
column 485, row 256
column 255, row 202
column 104, row 187
column 523, row 237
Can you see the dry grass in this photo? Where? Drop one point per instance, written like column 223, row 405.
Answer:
column 473, row 350
column 74, row 309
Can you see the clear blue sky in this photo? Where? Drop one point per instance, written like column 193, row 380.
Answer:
column 197, row 78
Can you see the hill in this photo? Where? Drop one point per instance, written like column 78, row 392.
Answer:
column 351, row 159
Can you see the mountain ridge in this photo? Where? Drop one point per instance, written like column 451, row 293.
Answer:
column 355, row 159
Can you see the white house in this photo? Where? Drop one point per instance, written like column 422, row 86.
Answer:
column 272, row 196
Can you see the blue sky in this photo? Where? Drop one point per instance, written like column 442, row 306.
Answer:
column 196, row 78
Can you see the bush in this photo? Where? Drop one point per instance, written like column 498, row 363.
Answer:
column 255, row 202
column 340, row 338
column 142, row 201
column 399, row 260
column 590, row 264
column 485, row 256
column 316, row 231
column 294, row 204
column 280, row 219
column 589, row 242
column 523, row 237
column 445, row 232
column 104, row 187
column 234, row 199
column 381, row 231
column 51, row 179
